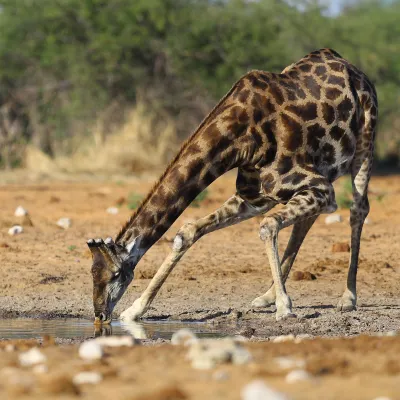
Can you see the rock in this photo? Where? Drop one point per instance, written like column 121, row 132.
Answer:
column 20, row 212
column 4, row 245
column 112, row 210
column 302, row 337
column 333, row 219
column 184, row 336
column 303, row 276
column 258, row 390
column 115, row 341
column 283, row 338
column 64, row 223
column 120, row 201
column 289, row 363
column 15, row 230
column 40, row 369
column 340, row 247
column 87, row 377
column 298, row 375
column 90, row 350
column 220, row 375
column 32, row 357
column 207, row 353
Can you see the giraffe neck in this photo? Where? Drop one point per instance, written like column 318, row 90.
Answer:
column 206, row 155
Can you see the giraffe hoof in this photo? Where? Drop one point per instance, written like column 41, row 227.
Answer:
column 283, row 316
column 346, row 304
column 346, row 307
column 261, row 302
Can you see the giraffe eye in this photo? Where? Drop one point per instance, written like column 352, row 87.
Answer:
column 116, row 275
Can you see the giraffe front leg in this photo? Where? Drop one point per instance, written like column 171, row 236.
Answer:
column 142, row 304
column 300, row 230
column 233, row 211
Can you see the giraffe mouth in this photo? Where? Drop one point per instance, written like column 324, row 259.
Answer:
column 102, row 319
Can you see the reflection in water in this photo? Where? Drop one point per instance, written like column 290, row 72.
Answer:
column 25, row 328
column 103, row 330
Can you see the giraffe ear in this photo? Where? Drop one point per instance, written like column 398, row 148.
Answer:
column 103, row 254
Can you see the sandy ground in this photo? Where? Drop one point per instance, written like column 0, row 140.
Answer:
column 45, row 272
column 359, row 368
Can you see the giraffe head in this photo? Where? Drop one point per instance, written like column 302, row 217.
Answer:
column 112, row 273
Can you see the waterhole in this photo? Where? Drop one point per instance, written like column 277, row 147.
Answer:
column 73, row 328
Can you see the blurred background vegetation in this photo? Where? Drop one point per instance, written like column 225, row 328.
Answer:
column 118, row 84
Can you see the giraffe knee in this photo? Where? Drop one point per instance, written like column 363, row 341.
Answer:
column 185, row 237
column 268, row 228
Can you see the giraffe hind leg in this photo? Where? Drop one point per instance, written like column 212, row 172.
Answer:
column 305, row 204
column 300, row 230
column 360, row 173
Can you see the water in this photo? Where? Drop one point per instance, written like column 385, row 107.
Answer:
column 27, row 328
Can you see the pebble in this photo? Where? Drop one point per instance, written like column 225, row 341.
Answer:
column 333, row 219
column 15, row 230
column 32, row 357
column 183, row 336
column 64, row 223
column 289, row 363
column 20, row 212
column 303, row 276
column 112, row 210
column 88, row 377
column 115, row 341
column 207, row 353
column 40, row 369
column 90, row 350
column 297, row 375
column 340, row 247
column 258, row 390
column 221, row 375
column 283, row 338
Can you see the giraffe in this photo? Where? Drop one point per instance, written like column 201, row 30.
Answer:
column 290, row 136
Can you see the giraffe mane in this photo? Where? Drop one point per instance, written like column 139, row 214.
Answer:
column 172, row 163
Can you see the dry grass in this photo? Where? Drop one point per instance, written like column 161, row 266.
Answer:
column 146, row 140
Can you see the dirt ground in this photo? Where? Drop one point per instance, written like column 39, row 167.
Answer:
column 45, row 272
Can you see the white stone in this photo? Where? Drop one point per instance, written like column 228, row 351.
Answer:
column 302, row 337
column 298, row 375
column 112, row 210
column 258, row 390
column 40, row 369
column 220, row 375
column 90, row 350
column 289, row 363
column 207, row 353
column 88, row 377
column 333, row 219
column 283, row 338
column 15, row 230
column 183, row 336
column 20, row 212
column 115, row 341
column 32, row 357
column 9, row 348
column 64, row 223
